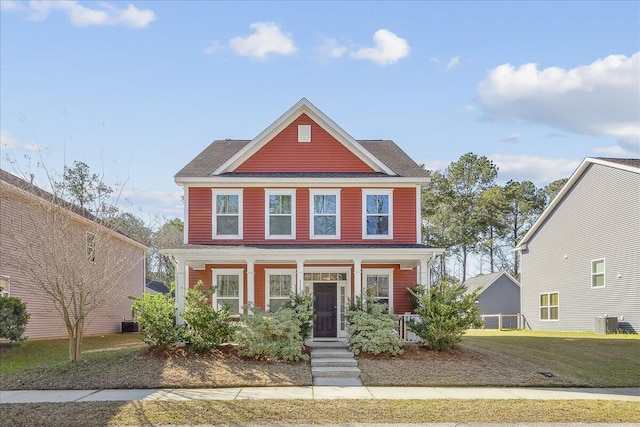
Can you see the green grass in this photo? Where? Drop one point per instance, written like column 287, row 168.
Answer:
column 55, row 352
column 596, row 360
column 269, row 412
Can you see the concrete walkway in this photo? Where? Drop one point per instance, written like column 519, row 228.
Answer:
column 324, row 392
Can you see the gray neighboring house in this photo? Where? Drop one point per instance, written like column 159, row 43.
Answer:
column 499, row 294
column 581, row 259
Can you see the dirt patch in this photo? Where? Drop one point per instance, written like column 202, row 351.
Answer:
column 461, row 366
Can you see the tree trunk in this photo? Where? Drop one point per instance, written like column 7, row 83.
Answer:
column 491, row 263
column 464, row 264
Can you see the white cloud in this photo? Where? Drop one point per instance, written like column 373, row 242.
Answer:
column 10, row 142
column 267, row 39
column 600, row 99
column 539, row 170
column 469, row 108
column 388, row 49
column 435, row 60
column 514, row 137
column 11, row 5
column 82, row 16
column 613, row 151
column 453, row 62
column 213, row 47
column 329, row 49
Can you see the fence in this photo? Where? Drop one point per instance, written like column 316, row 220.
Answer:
column 519, row 320
column 403, row 328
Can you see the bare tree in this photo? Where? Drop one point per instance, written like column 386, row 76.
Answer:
column 72, row 257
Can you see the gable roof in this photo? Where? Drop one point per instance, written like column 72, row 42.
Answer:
column 629, row 165
column 486, row 280
column 157, row 286
column 36, row 191
column 221, row 157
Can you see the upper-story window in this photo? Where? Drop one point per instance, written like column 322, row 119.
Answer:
column 280, row 214
column 597, row 273
column 377, row 212
column 227, row 214
column 325, row 214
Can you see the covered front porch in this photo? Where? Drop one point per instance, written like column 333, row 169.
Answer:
column 264, row 276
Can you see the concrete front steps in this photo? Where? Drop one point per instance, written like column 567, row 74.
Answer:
column 332, row 364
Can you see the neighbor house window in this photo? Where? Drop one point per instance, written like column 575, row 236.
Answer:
column 280, row 218
column 229, row 290
column 377, row 207
column 280, row 285
column 325, row 214
column 379, row 286
column 549, row 306
column 227, row 214
column 90, row 239
column 597, row 273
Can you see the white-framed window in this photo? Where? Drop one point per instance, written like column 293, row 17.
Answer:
column 304, row 133
column 90, row 240
column 229, row 286
column 324, row 210
column 597, row 273
column 550, row 306
column 5, row 286
column 227, row 214
column 280, row 214
column 378, row 285
column 377, row 214
column 279, row 286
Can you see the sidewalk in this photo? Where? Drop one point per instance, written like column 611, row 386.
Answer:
column 311, row 392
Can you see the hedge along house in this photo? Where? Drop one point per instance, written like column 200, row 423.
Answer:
column 303, row 208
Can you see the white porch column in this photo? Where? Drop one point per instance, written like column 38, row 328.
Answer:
column 357, row 278
column 424, row 278
column 300, row 276
column 251, row 284
column 181, row 289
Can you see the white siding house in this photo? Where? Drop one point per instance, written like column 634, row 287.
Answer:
column 581, row 259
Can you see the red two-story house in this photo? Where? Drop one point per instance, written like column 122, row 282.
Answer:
column 303, row 207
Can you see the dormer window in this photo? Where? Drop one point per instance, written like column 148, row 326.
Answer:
column 304, row 133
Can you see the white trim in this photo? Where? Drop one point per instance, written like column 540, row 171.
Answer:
column 214, row 214
column 540, row 307
column 268, row 272
column 377, row 192
column 323, row 192
column 379, row 272
column 604, row 270
column 301, row 181
column 185, row 234
column 303, row 107
column 567, row 187
column 228, row 271
column 279, row 192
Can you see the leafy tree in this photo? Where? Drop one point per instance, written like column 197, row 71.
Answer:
column 169, row 235
column 467, row 179
column 491, row 209
column 13, row 319
column 85, row 189
column 552, row 189
column 446, row 314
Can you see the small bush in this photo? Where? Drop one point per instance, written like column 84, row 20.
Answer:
column 13, row 319
column 271, row 336
column 156, row 316
column 446, row 314
column 372, row 329
column 206, row 328
column 303, row 307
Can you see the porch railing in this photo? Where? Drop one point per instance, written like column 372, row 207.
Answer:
column 403, row 328
column 519, row 320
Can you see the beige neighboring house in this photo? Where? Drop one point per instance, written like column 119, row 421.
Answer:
column 18, row 201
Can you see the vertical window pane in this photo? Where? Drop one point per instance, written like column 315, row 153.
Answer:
column 553, row 315
column 554, row 299
column 544, row 313
column 280, row 204
column 544, row 299
column 324, row 204
column 377, row 204
column 227, row 204
column 280, row 225
column 324, row 225
column 598, row 266
column 377, row 225
column 227, row 225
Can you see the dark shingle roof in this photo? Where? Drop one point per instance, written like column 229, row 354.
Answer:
column 626, row 162
column 483, row 281
column 157, row 286
column 219, row 151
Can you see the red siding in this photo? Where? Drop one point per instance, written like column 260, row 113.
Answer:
column 200, row 219
column 323, row 154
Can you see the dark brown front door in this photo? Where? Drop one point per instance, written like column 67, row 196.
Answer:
column 325, row 307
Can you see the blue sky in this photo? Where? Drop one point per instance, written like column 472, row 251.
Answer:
column 137, row 89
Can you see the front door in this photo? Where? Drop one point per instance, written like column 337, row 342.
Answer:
column 325, row 307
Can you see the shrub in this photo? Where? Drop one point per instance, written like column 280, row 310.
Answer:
column 156, row 316
column 446, row 314
column 271, row 336
column 13, row 319
column 303, row 307
column 206, row 328
column 372, row 329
